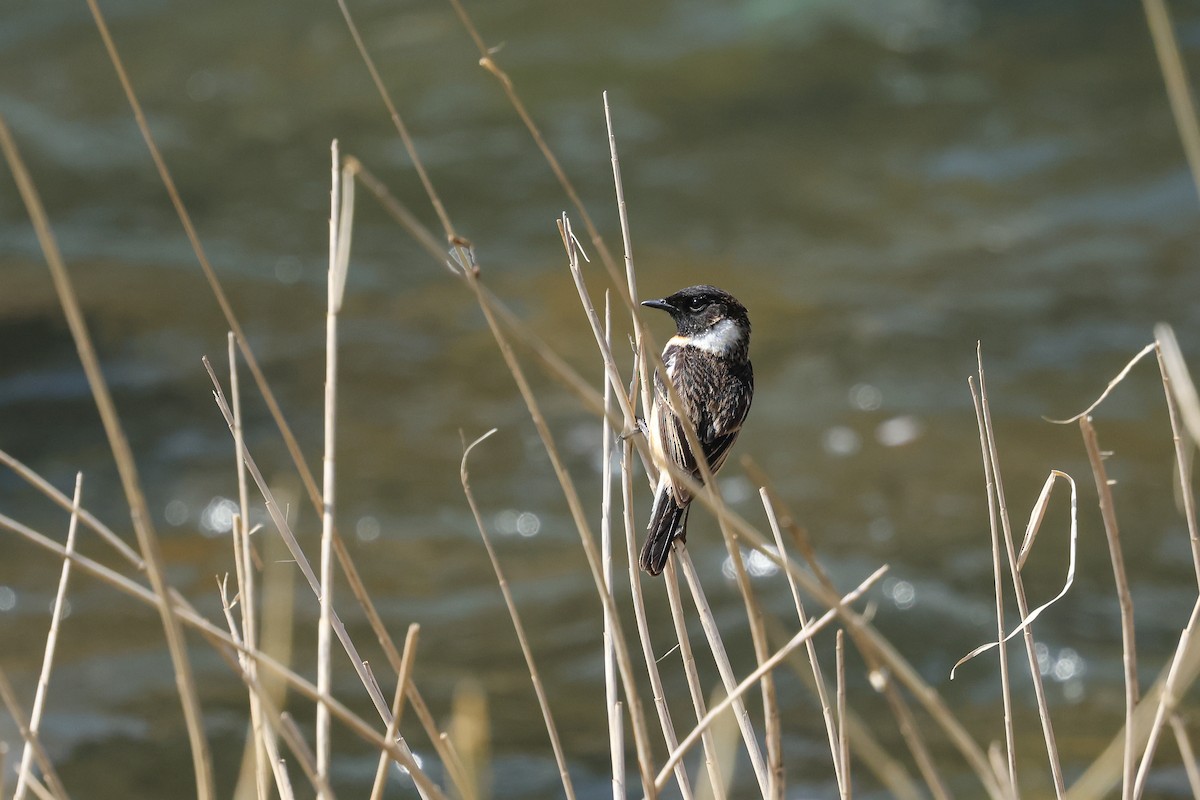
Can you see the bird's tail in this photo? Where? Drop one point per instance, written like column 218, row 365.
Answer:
column 668, row 522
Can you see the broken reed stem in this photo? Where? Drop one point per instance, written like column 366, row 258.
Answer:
column 139, row 511
column 709, row 622
column 1019, row 589
column 402, row 680
column 732, row 698
column 1125, row 600
column 1010, row 750
column 712, row 762
column 818, row 678
column 56, row 615
column 526, row 651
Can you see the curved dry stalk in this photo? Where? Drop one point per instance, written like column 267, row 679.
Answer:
column 526, row 651
column 1107, row 389
column 139, row 511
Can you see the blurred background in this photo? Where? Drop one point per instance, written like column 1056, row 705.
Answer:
column 882, row 183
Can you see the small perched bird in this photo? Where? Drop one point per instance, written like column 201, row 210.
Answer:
column 708, row 362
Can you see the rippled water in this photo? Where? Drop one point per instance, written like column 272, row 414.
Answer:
column 883, row 185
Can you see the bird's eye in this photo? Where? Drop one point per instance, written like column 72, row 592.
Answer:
column 697, row 305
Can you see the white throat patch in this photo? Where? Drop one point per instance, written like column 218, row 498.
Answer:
column 720, row 339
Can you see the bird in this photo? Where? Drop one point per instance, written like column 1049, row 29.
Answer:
column 708, row 363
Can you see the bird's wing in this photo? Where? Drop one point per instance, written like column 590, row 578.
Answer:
column 716, row 405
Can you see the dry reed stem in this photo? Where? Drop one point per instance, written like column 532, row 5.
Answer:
column 290, row 442
column 56, row 614
column 687, row 658
column 244, row 663
column 1182, row 463
column 290, row 731
column 1191, row 766
column 40, row 789
column 639, row 611
column 890, row 772
column 487, row 62
column 1125, row 600
column 1019, row 588
column 582, row 526
column 341, row 215
column 724, row 668
column 289, row 538
column 643, row 368
column 814, row 663
column 64, row 502
column 408, row 658
column 534, row 676
column 122, row 453
column 222, row 639
column 772, row 729
column 763, row 669
column 1182, row 385
column 1171, row 694
column 9, row 698
column 1112, row 384
column 257, row 749
column 3, row 768
column 1183, row 107
column 612, row 703
column 843, row 755
column 885, row 662
column 1010, row 751
column 471, row 275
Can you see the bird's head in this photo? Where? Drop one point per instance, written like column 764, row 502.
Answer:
column 698, row 310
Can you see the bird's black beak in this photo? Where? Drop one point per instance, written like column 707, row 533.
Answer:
column 662, row 305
